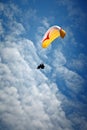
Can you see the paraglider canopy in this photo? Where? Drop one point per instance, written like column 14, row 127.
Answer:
column 51, row 34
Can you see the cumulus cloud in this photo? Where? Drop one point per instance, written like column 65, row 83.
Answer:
column 27, row 97
column 27, row 100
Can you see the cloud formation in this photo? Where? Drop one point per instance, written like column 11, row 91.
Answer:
column 27, row 97
column 27, row 101
column 30, row 98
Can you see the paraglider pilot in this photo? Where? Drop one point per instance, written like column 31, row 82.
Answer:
column 41, row 66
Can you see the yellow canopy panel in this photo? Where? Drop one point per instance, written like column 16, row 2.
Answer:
column 53, row 33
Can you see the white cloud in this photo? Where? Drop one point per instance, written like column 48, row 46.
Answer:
column 27, row 97
column 16, row 28
column 45, row 22
column 72, row 80
column 9, row 10
column 59, row 59
column 1, row 7
column 80, row 62
column 1, row 28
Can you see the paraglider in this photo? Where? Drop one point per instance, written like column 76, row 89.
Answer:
column 41, row 66
column 52, row 33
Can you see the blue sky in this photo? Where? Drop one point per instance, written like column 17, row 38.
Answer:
column 49, row 99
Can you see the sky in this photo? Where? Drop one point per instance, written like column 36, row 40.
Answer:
column 54, row 98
